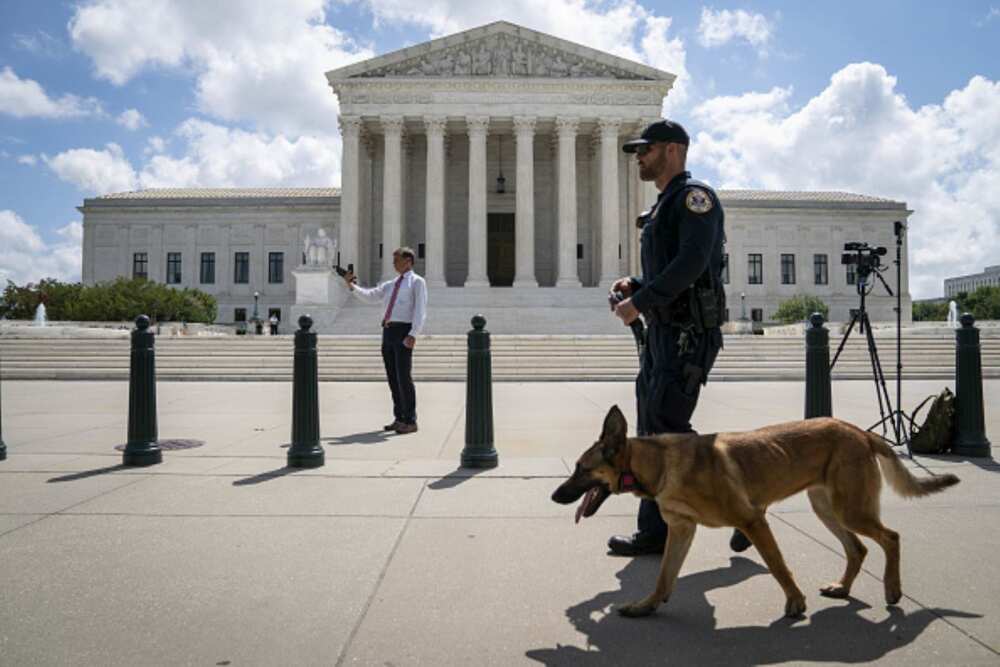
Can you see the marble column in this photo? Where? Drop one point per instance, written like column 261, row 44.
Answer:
column 567, row 275
column 392, row 191
column 609, row 201
column 524, row 215
column 477, row 129
column 348, row 243
column 434, row 212
column 648, row 190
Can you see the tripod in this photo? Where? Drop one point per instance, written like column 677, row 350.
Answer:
column 895, row 417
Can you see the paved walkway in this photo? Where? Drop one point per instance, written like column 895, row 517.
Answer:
column 393, row 555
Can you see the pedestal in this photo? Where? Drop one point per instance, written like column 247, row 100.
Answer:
column 320, row 294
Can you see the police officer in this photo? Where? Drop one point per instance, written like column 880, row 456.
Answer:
column 681, row 299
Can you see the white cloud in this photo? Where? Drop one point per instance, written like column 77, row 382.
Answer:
column 213, row 156
column 26, row 257
column 257, row 61
column 95, row 172
column 861, row 135
column 25, row 98
column 717, row 28
column 993, row 13
column 29, row 160
column 155, row 144
column 131, row 119
column 218, row 156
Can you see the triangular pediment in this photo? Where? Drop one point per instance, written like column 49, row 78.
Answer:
column 499, row 50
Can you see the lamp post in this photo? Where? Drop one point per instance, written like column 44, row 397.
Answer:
column 257, row 327
column 743, row 305
column 501, row 181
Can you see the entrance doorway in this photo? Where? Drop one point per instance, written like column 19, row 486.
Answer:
column 500, row 249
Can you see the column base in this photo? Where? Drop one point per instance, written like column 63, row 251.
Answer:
column 569, row 282
column 525, row 283
column 477, row 282
column 434, row 283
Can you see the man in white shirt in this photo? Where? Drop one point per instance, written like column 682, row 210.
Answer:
column 404, row 310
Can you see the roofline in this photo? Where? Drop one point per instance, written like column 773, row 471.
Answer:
column 393, row 57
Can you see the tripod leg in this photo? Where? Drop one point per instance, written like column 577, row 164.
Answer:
column 840, row 348
column 879, row 377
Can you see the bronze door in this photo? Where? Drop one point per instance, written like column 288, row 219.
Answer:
column 500, row 252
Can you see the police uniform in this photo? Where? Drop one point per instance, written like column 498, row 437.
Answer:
column 680, row 249
column 681, row 299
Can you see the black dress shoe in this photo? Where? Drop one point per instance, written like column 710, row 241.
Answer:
column 638, row 544
column 739, row 542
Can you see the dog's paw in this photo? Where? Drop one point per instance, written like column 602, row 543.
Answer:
column 893, row 594
column 636, row 609
column 795, row 607
column 836, row 590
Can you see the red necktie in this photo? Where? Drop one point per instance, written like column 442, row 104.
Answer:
column 392, row 300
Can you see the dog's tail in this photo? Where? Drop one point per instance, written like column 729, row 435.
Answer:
column 902, row 480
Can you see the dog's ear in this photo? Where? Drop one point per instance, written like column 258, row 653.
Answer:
column 613, row 433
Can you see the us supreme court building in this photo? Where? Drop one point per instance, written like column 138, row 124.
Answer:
column 496, row 154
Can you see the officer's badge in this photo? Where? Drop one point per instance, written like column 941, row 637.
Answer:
column 698, row 201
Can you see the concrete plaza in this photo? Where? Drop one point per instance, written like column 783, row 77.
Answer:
column 391, row 554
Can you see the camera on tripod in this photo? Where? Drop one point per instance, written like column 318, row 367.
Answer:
column 864, row 256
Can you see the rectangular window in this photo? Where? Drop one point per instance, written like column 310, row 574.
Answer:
column 421, row 250
column 140, row 265
column 579, row 251
column 207, row 268
column 276, row 267
column 787, row 269
column 241, row 268
column 240, row 315
column 173, row 268
column 725, row 269
column 852, row 275
column 757, row 314
column 755, row 269
column 274, row 311
column 820, row 269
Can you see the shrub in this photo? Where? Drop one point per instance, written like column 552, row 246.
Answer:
column 122, row 299
column 930, row 311
column 800, row 307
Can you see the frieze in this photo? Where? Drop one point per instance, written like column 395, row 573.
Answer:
column 502, row 56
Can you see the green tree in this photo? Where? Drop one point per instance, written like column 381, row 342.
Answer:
column 930, row 311
column 799, row 307
column 983, row 303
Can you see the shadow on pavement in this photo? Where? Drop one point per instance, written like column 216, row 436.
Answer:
column 265, row 476
column 88, row 473
column 453, row 479
column 366, row 438
column 683, row 631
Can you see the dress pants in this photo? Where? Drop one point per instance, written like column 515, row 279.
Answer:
column 667, row 394
column 398, row 361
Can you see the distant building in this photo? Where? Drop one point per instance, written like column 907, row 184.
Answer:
column 990, row 277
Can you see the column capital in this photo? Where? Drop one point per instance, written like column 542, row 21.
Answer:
column 391, row 124
column 525, row 124
column 435, row 124
column 349, row 125
column 567, row 125
column 609, row 127
column 477, row 124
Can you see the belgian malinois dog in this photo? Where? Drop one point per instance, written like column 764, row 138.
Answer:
column 729, row 479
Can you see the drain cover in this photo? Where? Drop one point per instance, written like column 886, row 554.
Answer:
column 169, row 445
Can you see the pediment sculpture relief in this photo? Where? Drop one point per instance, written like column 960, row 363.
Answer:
column 502, row 56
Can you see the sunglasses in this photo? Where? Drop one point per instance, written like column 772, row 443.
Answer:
column 642, row 149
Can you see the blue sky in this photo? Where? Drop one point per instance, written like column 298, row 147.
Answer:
column 894, row 99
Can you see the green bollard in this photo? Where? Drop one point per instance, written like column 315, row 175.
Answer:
column 305, row 451
column 970, row 423
column 142, row 449
column 3, row 447
column 479, row 451
column 818, row 392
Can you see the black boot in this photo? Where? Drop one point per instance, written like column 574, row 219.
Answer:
column 739, row 542
column 638, row 544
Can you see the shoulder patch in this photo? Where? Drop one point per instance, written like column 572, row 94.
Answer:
column 698, row 201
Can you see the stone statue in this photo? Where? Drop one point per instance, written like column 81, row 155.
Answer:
column 463, row 64
column 320, row 251
column 484, row 63
column 501, row 58
column 519, row 66
column 953, row 314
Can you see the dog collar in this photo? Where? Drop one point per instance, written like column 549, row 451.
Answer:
column 628, row 482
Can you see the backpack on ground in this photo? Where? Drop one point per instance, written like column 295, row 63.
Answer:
column 935, row 435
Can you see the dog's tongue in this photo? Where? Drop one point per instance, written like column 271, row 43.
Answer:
column 583, row 503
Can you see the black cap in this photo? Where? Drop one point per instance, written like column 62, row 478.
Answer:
column 665, row 131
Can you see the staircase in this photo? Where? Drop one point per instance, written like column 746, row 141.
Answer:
column 516, row 358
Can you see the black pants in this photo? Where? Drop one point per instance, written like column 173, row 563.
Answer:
column 666, row 392
column 274, row 329
column 398, row 361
